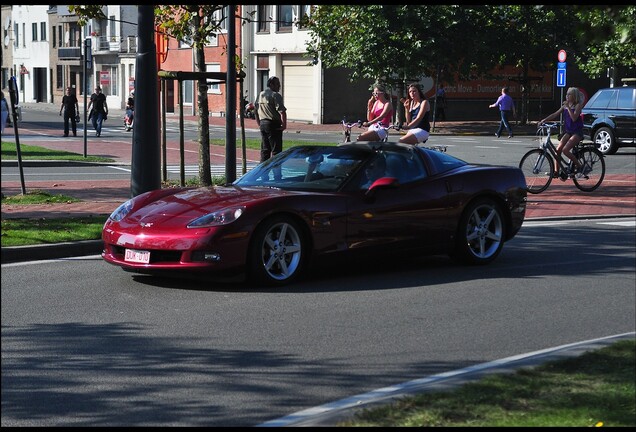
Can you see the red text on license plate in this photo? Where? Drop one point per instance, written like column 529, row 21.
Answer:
column 137, row 256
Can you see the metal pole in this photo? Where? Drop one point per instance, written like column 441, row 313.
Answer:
column 13, row 96
column 230, row 101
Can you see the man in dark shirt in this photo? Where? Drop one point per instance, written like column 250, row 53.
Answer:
column 71, row 109
column 99, row 109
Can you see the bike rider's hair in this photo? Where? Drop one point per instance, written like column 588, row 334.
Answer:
column 272, row 80
column 579, row 97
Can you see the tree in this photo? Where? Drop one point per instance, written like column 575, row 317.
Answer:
column 606, row 39
column 196, row 24
column 412, row 41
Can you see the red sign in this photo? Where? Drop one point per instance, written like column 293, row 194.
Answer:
column 562, row 56
column 104, row 77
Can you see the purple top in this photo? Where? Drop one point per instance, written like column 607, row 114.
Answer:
column 572, row 126
column 505, row 102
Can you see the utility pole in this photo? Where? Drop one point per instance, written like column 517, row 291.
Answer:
column 230, row 101
column 146, row 160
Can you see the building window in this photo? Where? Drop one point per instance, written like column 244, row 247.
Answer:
column 59, row 34
column 222, row 16
column 16, row 41
column 42, row 31
column 187, row 92
column 112, row 28
column 59, row 82
column 213, row 88
column 304, row 12
column 53, row 38
column 108, row 80
column 34, row 32
column 263, row 19
column 23, row 36
column 284, row 17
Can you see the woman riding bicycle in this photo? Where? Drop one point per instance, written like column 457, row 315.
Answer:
column 571, row 108
column 417, row 113
column 379, row 115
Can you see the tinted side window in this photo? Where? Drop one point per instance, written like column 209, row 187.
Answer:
column 602, row 99
column 627, row 98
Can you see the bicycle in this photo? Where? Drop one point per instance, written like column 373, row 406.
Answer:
column 538, row 164
column 347, row 129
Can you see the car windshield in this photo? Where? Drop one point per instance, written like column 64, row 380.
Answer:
column 316, row 168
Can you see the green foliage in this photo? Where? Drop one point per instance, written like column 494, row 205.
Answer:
column 9, row 152
column 596, row 389
column 606, row 37
column 22, row 232
column 87, row 12
column 37, row 197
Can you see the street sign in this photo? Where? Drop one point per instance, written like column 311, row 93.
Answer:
column 562, row 56
column 561, row 77
column 561, row 65
column 88, row 53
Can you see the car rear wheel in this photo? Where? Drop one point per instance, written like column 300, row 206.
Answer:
column 605, row 141
column 277, row 253
column 480, row 234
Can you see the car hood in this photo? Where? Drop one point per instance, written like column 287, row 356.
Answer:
column 185, row 205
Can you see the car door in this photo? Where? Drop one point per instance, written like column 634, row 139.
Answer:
column 411, row 213
column 624, row 115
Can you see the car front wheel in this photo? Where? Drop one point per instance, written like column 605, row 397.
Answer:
column 480, row 234
column 605, row 141
column 277, row 253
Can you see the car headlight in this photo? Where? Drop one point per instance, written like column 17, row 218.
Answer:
column 121, row 211
column 221, row 217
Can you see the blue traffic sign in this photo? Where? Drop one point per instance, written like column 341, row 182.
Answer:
column 561, row 65
column 561, row 77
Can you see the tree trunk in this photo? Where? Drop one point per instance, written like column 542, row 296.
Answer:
column 205, row 175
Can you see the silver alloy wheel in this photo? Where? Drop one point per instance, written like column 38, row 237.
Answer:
column 281, row 251
column 484, row 231
column 604, row 141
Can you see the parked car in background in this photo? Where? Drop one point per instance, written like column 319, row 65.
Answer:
column 609, row 118
column 311, row 202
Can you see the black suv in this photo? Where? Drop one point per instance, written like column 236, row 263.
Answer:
column 609, row 118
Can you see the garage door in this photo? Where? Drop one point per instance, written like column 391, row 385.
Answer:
column 298, row 92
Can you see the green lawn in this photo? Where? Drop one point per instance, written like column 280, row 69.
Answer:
column 595, row 389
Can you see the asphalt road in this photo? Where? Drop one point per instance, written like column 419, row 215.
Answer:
column 108, row 348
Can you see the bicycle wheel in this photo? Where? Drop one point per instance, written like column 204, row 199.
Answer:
column 593, row 171
column 537, row 167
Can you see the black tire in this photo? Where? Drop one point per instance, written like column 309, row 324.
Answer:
column 590, row 158
column 538, row 168
column 277, row 252
column 605, row 141
column 480, row 233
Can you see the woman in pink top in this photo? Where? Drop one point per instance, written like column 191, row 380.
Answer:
column 379, row 115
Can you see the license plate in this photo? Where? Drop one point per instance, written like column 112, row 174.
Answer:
column 137, row 256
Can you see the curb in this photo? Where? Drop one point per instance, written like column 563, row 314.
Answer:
column 51, row 251
column 331, row 413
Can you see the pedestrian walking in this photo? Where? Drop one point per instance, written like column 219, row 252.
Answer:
column 271, row 117
column 5, row 112
column 506, row 107
column 70, row 108
column 98, row 110
column 440, row 103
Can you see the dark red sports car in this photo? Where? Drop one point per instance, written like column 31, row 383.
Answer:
column 318, row 201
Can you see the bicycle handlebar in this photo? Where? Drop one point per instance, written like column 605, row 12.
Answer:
column 548, row 125
column 350, row 125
